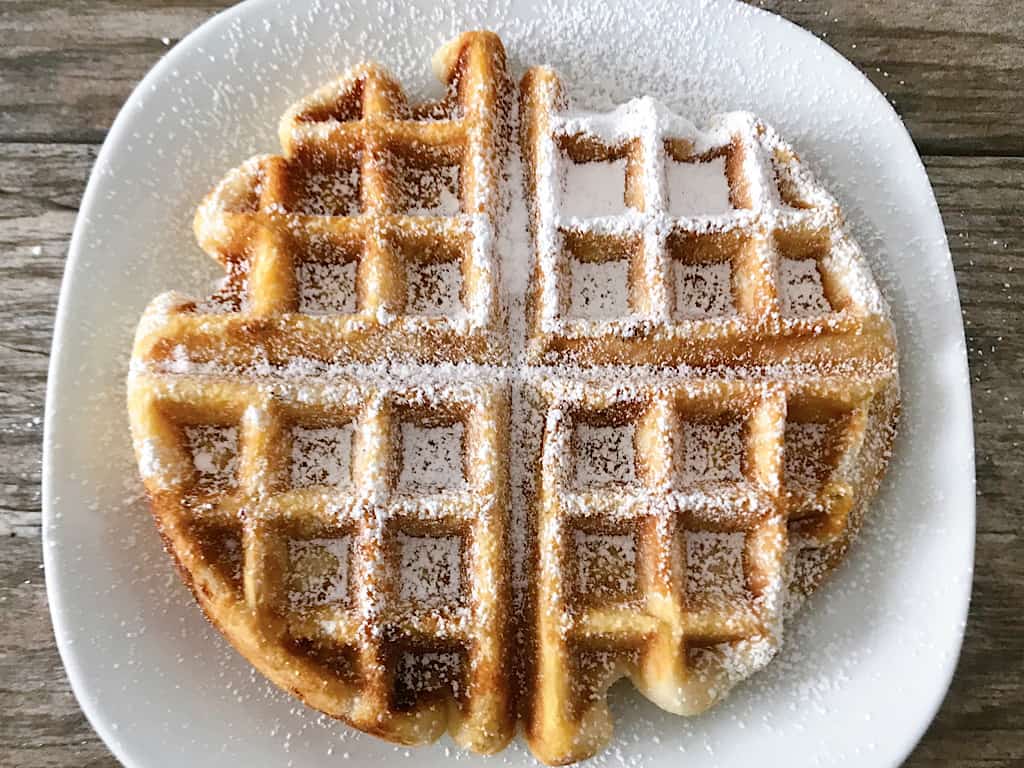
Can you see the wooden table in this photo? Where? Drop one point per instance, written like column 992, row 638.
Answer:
column 952, row 69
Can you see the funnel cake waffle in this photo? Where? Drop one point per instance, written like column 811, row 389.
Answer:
column 310, row 534
column 666, row 546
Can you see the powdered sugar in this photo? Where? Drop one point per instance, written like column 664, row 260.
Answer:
column 326, row 288
column 214, row 452
column 604, row 454
column 712, row 451
column 599, row 290
column 714, row 567
column 151, row 466
column 703, row 290
column 430, row 569
column 605, row 565
column 698, row 188
column 801, row 293
column 329, row 192
column 322, row 456
column 434, row 288
column 431, row 457
column 805, row 463
column 429, row 671
column 593, row 189
column 318, row 571
column 431, row 191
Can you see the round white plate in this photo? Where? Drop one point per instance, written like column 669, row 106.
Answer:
column 867, row 662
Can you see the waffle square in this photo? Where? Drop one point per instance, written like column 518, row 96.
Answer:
column 712, row 504
column 372, row 234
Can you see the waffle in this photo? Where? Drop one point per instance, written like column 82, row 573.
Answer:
column 371, row 235
column 352, row 453
column 347, row 569
column 712, row 430
column 771, row 219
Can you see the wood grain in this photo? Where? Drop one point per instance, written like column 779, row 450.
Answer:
column 952, row 69
column 65, row 68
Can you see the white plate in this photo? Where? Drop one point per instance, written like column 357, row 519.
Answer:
column 867, row 662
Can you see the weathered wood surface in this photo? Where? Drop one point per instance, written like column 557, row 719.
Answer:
column 65, row 68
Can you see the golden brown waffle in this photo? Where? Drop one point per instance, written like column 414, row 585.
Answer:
column 677, row 507
column 322, row 548
column 340, row 445
column 371, row 235
column 777, row 220
column 668, row 556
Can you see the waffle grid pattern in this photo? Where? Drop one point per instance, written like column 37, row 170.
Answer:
column 362, row 182
column 772, row 219
column 391, row 159
column 685, row 654
column 265, row 512
column 682, row 651
column 345, row 657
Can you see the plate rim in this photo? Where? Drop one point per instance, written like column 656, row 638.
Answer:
column 114, row 139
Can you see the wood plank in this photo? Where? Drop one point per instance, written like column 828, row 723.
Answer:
column 982, row 201
column 40, row 187
column 42, row 726
column 66, row 67
column 952, row 69
column 982, row 720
